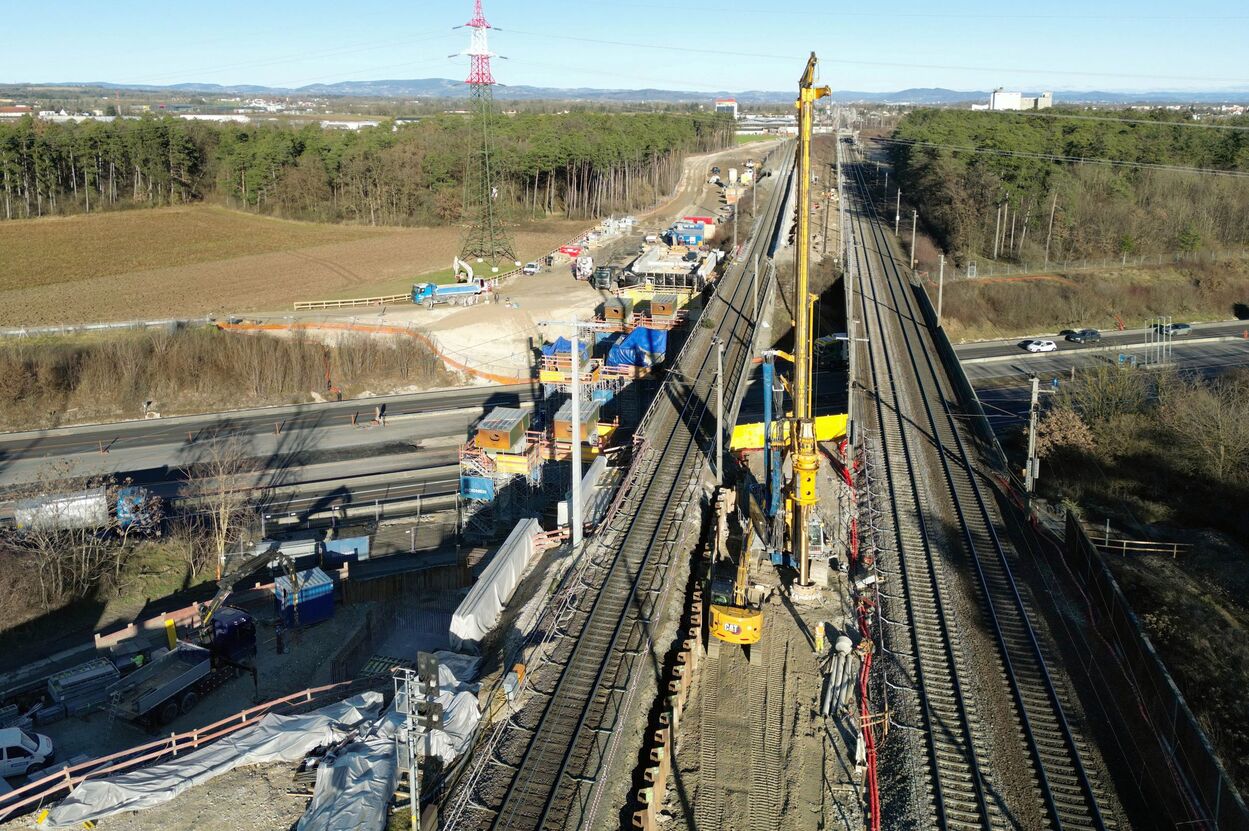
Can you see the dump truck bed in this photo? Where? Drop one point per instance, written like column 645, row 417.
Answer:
column 162, row 679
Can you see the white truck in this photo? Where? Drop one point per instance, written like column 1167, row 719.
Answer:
column 583, row 267
column 23, row 752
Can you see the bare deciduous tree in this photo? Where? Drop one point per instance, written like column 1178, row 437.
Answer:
column 219, row 484
column 1105, row 391
column 1210, row 421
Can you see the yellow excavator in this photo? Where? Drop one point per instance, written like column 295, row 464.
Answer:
column 735, row 618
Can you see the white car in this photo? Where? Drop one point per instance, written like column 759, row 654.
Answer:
column 531, row 268
column 1041, row 346
column 23, row 752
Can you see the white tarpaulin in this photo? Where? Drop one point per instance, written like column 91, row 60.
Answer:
column 275, row 738
column 594, row 499
column 353, row 792
column 480, row 610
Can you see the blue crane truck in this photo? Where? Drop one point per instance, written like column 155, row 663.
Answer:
column 461, row 294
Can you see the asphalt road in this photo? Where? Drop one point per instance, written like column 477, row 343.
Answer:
column 280, row 438
column 1211, row 345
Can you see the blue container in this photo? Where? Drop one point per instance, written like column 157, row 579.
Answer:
column 313, row 603
column 603, row 396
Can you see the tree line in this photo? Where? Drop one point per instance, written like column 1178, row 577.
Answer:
column 977, row 203
column 577, row 164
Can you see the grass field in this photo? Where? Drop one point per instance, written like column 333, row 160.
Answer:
column 1016, row 306
column 201, row 260
column 747, row 139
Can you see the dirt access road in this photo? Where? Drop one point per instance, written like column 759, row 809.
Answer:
column 499, row 337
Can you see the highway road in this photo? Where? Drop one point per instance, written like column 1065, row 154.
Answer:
column 1211, row 345
column 281, row 438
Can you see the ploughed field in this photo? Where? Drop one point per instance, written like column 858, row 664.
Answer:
column 201, row 260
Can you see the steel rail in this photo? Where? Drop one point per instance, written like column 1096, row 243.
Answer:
column 1070, row 798
column 543, row 791
column 957, row 776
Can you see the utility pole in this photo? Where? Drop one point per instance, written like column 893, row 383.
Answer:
column 940, row 288
column 574, row 503
column 914, row 221
column 719, row 412
column 886, row 188
column 997, row 230
column 897, row 213
column 1049, row 233
column 1033, row 464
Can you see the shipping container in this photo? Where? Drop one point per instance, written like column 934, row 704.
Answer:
column 312, row 603
column 588, row 416
column 618, row 309
column 664, row 306
column 503, row 429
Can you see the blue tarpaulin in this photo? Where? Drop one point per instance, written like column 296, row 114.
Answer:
column 642, row 347
column 563, row 346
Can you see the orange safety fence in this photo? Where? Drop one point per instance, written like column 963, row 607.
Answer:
column 31, row 796
column 378, row 329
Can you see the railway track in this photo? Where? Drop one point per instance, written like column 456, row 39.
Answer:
column 943, row 517
column 544, row 768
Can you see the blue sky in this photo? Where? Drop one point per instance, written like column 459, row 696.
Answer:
column 695, row 44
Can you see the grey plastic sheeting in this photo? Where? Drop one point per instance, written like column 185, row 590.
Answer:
column 485, row 601
column 275, row 738
column 353, row 792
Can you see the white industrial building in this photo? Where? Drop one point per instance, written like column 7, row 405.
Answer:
column 727, row 105
column 1000, row 99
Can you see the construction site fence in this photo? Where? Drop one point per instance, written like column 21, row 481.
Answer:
column 37, row 794
column 999, row 268
column 1212, row 797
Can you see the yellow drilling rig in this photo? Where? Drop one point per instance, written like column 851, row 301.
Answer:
column 803, row 453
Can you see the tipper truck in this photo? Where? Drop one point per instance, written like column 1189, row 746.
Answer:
column 174, row 682
column 463, row 294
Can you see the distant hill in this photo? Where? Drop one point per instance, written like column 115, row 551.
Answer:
column 449, row 89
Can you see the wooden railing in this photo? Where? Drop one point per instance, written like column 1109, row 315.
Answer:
column 1126, row 547
column 308, row 305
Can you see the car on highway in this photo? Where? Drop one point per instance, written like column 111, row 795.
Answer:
column 1177, row 330
column 1040, row 346
column 1085, row 336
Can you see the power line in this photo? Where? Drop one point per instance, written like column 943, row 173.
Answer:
column 893, row 14
column 685, row 49
column 1054, row 157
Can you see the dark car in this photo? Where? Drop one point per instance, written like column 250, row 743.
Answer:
column 1085, row 336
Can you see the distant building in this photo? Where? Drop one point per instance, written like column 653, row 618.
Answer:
column 14, row 112
column 727, row 105
column 1000, row 99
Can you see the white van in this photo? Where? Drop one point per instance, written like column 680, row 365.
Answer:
column 22, row 752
